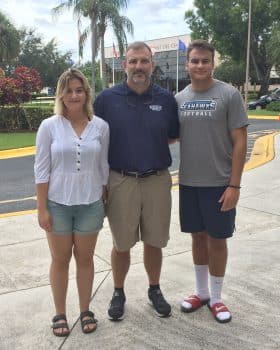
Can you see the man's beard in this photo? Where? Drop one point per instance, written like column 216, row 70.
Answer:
column 137, row 80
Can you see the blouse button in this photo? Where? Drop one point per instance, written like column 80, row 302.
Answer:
column 78, row 169
column 78, row 161
column 78, row 145
column 79, row 153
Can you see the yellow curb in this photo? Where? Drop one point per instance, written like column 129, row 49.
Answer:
column 262, row 153
column 267, row 117
column 16, row 153
column 17, row 213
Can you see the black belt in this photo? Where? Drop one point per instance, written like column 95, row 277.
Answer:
column 137, row 174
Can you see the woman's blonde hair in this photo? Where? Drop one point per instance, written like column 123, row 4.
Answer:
column 62, row 86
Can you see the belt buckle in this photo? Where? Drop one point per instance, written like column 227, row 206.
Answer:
column 148, row 173
column 140, row 175
column 131, row 173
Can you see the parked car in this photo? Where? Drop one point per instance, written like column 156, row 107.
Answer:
column 275, row 94
column 265, row 100
column 260, row 103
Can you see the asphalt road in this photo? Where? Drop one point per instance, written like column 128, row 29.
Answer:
column 17, row 190
column 257, row 128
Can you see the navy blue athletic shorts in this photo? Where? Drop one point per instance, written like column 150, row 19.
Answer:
column 201, row 211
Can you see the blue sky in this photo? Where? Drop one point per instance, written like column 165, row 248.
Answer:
column 152, row 19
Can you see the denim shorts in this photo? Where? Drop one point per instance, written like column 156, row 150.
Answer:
column 80, row 219
column 201, row 211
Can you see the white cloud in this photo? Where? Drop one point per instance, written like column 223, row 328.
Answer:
column 151, row 18
column 158, row 18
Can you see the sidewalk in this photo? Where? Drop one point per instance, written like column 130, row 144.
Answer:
column 251, row 288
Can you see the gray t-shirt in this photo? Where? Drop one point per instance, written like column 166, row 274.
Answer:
column 206, row 119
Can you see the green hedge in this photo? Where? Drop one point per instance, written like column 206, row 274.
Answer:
column 23, row 117
column 35, row 115
column 273, row 106
column 12, row 118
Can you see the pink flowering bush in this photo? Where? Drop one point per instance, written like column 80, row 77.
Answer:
column 15, row 90
column 18, row 88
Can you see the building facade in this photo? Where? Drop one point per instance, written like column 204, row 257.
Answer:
column 169, row 62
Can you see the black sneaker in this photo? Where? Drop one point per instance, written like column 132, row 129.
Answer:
column 116, row 308
column 161, row 306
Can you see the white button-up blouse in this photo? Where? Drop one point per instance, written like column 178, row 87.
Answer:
column 75, row 167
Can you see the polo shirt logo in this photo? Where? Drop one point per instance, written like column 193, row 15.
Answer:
column 156, row 108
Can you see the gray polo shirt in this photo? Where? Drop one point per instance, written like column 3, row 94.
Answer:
column 206, row 119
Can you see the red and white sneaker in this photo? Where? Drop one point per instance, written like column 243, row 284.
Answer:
column 220, row 312
column 192, row 303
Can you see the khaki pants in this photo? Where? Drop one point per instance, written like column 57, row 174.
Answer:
column 139, row 209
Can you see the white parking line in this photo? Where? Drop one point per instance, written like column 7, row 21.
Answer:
column 17, row 200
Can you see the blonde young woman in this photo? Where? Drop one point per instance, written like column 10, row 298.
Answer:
column 71, row 172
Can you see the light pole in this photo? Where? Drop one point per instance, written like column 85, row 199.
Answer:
column 248, row 52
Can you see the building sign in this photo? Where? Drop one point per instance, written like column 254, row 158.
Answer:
column 157, row 45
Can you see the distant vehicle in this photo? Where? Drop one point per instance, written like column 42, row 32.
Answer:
column 260, row 103
column 263, row 101
column 275, row 94
column 48, row 90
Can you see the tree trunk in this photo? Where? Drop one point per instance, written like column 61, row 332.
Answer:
column 255, row 65
column 93, row 54
column 263, row 75
column 265, row 80
column 103, row 64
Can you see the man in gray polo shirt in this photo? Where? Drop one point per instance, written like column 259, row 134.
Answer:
column 213, row 143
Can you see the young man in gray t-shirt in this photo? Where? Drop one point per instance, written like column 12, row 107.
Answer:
column 213, row 143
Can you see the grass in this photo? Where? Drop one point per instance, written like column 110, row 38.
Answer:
column 262, row 112
column 16, row 140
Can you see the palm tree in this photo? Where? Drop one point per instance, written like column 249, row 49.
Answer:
column 91, row 9
column 86, row 8
column 9, row 41
column 109, row 15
